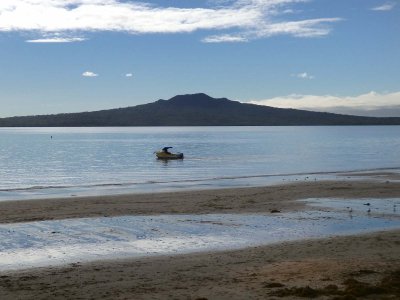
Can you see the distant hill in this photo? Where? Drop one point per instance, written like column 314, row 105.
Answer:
column 195, row 110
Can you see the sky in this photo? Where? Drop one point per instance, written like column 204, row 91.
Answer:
column 82, row 55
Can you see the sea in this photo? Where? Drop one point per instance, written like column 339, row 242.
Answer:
column 58, row 162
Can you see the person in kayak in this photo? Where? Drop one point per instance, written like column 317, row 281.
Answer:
column 165, row 150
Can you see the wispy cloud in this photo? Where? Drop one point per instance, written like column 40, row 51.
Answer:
column 248, row 19
column 361, row 104
column 384, row 7
column 128, row 75
column 57, row 40
column 225, row 38
column 303, row 75
column 89, row 74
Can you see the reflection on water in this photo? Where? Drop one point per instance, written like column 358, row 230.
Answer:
column 83, row 159
column 371, row 207
column 25, row 245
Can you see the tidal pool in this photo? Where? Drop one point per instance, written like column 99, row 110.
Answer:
column 49, row 243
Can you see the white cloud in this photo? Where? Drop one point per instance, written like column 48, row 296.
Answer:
column 361, row 104
column 250, row 19
column 224, row 38
column 304, row 29
column 384, row 7
column 303, row 75
column 57, row 40
column 89, row 74
column 128, row 75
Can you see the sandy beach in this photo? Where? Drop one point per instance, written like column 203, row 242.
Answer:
column 236, row 200
column 349, row 267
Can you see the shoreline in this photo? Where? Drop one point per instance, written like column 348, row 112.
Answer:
column 192, row 185
column 249, row 273
column 232, row 200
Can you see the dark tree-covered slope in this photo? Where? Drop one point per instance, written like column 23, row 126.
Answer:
column 195, row 110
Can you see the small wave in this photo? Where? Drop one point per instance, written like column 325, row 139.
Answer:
column 275, row 175
column 35, row 187
column 149, row 182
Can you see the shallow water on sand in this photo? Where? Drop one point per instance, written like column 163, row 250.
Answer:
column 48, row 243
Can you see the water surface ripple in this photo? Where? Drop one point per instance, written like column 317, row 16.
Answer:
column 64, row 161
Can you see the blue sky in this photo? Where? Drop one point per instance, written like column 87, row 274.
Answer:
column 81, row 55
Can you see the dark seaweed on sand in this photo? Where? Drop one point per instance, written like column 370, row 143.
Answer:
column 353, row 289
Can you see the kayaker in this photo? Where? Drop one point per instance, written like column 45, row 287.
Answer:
column 165, row 150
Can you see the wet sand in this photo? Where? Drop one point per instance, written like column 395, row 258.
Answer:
column 253, row 273
column 236, row 200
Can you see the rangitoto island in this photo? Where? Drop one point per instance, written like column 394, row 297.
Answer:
column 194, row 110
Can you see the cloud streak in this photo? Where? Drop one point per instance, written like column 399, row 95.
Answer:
column 304, row 75
column 384, row 7
column 225, row 38
column 57, row 40
column 371, row 103
column 248, row 19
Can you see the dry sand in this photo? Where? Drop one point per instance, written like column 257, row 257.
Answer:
column 253, row 273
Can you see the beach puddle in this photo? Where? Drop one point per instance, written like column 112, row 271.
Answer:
column 373, row 207
column 49, row 243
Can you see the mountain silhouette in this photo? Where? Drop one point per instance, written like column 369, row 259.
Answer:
column 195, row 110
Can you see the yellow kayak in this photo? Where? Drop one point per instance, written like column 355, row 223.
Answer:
column 164, row 155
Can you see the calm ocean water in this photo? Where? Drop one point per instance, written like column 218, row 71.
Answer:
column 108, row 160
